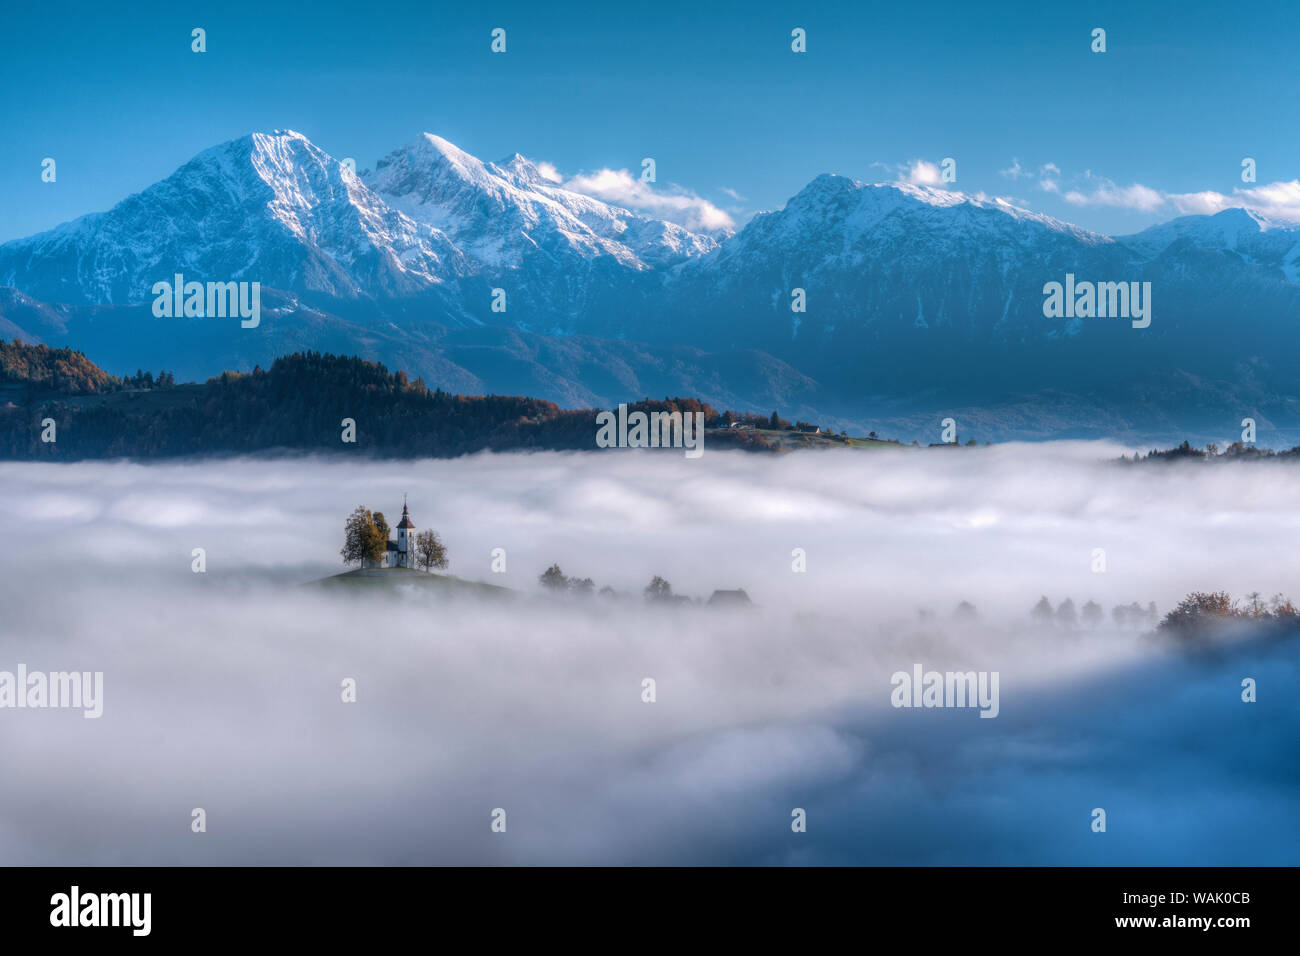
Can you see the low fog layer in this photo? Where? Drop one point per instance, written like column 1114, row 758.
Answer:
column 222, row 689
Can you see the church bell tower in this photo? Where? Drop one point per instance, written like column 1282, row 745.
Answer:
column 404, row 529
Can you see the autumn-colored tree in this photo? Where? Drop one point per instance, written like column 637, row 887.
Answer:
column 382, row 526
column 430, row 552
column 1198, row 612
column 361, row 540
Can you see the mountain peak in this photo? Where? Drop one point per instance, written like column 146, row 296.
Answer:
column 445, row 148
column 434, row 147
column 865, row 204
column 527, row 171
column 427, row 166
column 509, row 213
column 1240, row 217
column 264, row 143
column 1235, row 229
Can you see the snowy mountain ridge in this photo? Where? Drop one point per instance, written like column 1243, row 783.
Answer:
column 850, row 294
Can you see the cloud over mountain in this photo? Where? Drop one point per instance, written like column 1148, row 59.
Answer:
column 674, row 204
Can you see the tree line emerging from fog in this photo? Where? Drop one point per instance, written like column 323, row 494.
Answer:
column 1092, row 614
column 659, row 591
column 1200, row 614
column 1237, row 451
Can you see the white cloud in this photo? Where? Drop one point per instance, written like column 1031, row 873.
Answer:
column 919, row 172
column 549, row 172
column 1279, row 200
column 1049, row 178
column 1204, row 203
column 1048, row 175
column 1107, row 193
column 677, row 205
column 1014, row 171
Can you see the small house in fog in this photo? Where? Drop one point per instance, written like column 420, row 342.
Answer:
column 735, row 598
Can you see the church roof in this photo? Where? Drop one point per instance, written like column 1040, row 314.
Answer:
column 406, row 518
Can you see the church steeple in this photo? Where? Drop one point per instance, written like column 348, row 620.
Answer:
column 405, row 553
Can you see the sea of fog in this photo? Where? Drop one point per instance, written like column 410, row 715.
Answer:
column 222, row 689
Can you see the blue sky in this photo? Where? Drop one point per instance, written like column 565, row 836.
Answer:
column 1113, row 141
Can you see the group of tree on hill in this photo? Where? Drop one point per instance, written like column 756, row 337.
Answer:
column 365, row 539
column 67, row 372
column 297, row 404
column 1201, row 613
column 556, row 581
column 1198, row 614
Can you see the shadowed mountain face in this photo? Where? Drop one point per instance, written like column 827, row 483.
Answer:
column 917, row 302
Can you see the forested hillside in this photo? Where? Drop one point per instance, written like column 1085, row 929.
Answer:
column 300, row 404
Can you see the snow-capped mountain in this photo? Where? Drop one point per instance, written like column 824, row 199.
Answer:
column 886, row 265
column 566, row 261
column 431, row 220
column 272, row 208
column 504, row 215
column 1243, row 233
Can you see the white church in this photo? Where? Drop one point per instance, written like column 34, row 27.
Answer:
column 399, row 553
